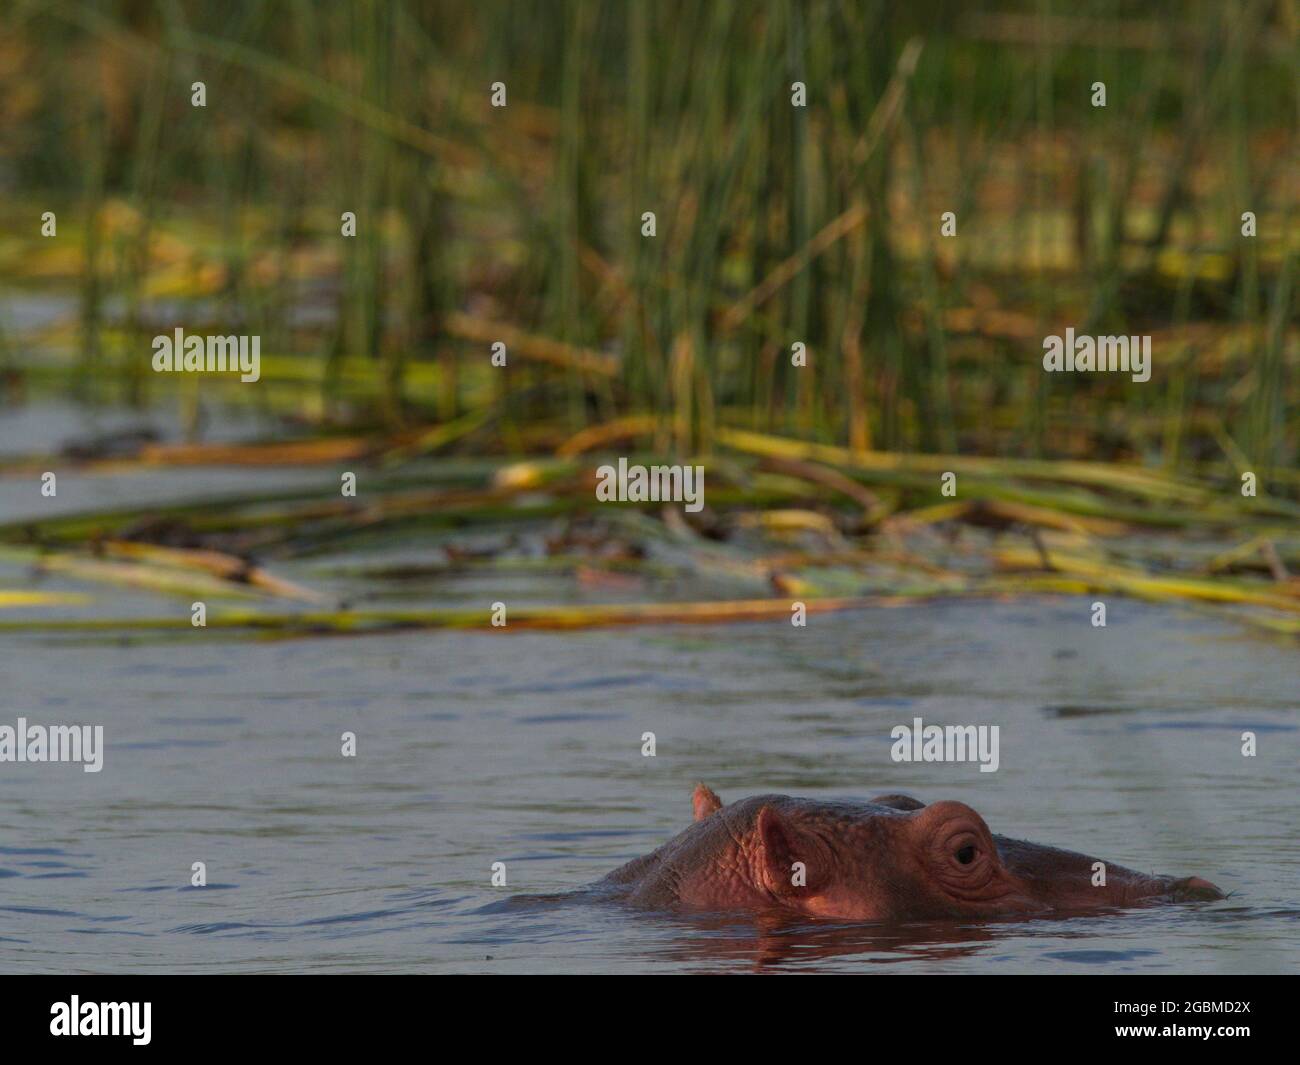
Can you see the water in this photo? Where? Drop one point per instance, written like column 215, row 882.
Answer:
column 525, row 748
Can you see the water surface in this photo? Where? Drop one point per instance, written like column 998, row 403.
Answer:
column 525, row 748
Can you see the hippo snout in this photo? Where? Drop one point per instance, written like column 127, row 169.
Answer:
column 1194, row 889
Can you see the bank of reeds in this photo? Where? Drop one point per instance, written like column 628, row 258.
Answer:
column 775, row 225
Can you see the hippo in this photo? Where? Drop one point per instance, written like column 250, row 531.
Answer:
column 893, row 858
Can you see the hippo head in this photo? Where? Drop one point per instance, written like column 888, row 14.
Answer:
column 897, row 858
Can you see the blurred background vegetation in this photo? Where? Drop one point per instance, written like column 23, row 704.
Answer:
column 775, row 224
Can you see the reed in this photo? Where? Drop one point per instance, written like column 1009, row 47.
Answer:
column 775, row 224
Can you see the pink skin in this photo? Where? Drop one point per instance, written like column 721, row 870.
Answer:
column 893, row 858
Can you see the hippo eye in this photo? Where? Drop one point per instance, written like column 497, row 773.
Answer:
column 967, row 854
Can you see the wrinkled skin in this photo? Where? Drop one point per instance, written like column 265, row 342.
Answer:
column 892, row 858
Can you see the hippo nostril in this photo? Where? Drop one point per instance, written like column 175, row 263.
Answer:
column 1194, row 889
column 967, row 854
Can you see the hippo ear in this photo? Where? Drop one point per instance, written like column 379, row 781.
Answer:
column 781, row 845
column 704, row 801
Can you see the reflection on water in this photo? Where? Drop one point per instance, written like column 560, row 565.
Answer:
column 525, row 748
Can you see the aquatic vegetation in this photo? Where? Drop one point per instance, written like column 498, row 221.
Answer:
column 832, row 529
column 833, row 299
